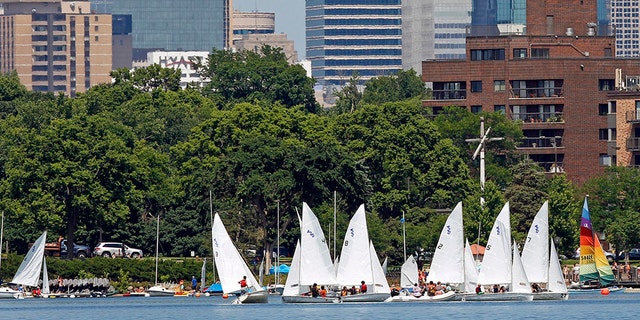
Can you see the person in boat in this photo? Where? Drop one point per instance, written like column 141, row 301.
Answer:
column 479, row 289
column 36, row 292
column 502, row 289
column 363, row 287
column 535, row 288
column 344, row 291
column 417, row 291
column 194, row 283
column 395, row 292
column 353, row 290
column 495, row 288
column 323, row 292
column 431, row 289
column 314, row 290
column 439, row 288
column 243, row 284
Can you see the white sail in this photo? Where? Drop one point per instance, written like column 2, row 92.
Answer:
column 315, row 261
column 292, row 285
column 409, row 273
column 229, row 263
column 535, row 254
column 449, row 254
column 519, row 282
column 470, row 270
column 380, row 284
column 28, row 273
column 384, row 266
column 496, row 264
column 45, row 278
column 355, row 258
column 556, row 278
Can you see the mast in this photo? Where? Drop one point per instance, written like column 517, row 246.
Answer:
column 1, row 243
column 157, row 245
column 335, row 233
column 404, row 239
column 213, row 260
column 277, row 267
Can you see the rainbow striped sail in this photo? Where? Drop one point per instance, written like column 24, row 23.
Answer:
column 593, row 262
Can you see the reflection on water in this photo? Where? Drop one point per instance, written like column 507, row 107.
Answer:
column 173, row 308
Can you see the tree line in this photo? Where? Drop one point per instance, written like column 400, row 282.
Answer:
column 253, row 144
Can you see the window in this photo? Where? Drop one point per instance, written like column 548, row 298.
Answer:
column 606, row 84
column 603, row 109
column 539, row 53
column 607, row 52
column 96, row 38
column 499, row 85
column 519, row 53
column 476, row 109
column 487, row 54
column 500, row 108
column 605, row 160
column 603, row 134
column 95, row 28
column 476, row 86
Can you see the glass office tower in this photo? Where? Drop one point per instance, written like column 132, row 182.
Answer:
column 172, row 25
column 349, row 36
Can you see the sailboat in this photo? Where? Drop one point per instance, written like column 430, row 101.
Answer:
column 499, row 266
column 539, row 266
column 409, row 273
column 5, row 292
column 157, row 290
column 232, row 267
column 359, row 262
column 595, row 271
column 32, row 267
column 311, row 263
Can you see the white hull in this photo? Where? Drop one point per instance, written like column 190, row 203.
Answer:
column 158, row 291
column 366, row 297
column 507, row 296
column 442, row 297
column 551, row 296
column 261, row 296
column 309, row 299
column 8, row 293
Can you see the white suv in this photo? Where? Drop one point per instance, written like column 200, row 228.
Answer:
column 114, row 249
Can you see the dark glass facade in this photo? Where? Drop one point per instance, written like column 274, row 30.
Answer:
column 169, row 24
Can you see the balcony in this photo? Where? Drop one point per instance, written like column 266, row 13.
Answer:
column 633, row 116
column 541, row 142
column 538, row 117
column 449, row 94
column 536, row 92
column 633, row 144
column 552, row 167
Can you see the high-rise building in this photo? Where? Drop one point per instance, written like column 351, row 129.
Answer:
column 252, row 30
column 556, row 80
column 173, row 25
column 433, row 30
column 55, row 45
column 345, row 37
column 625, row 20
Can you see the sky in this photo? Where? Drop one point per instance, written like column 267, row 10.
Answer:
column 289, row 18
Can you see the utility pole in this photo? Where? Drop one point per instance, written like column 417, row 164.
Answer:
column 480, row 150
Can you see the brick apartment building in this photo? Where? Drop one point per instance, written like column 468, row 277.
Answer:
column 55, row 45
column 555, row 78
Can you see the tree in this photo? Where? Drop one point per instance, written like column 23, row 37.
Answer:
column 404, row 85
column 264, row 74
column 349, row 97
column 525, row 194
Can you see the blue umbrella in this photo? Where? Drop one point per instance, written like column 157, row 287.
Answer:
column 283, row 269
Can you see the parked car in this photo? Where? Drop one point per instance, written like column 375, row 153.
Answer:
column 634, row 254
column 114, row 249
column 59, row 249
column 284, row 252
column 610, row 256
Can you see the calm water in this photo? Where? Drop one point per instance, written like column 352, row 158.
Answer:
column 622, row 305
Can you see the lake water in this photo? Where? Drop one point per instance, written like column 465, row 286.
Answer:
column 592, row 306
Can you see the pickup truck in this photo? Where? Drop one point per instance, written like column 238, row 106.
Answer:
column 59, row 249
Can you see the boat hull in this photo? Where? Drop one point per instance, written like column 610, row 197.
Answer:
column 441, row 297
column 595, row 291
column 309, row 299
column 551, row 296
column 367, row 297
column 506, row 296
column 8, row 293
column 261, row 296
column 158, row 291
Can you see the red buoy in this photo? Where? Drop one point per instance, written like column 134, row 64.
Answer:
column 605, row 291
